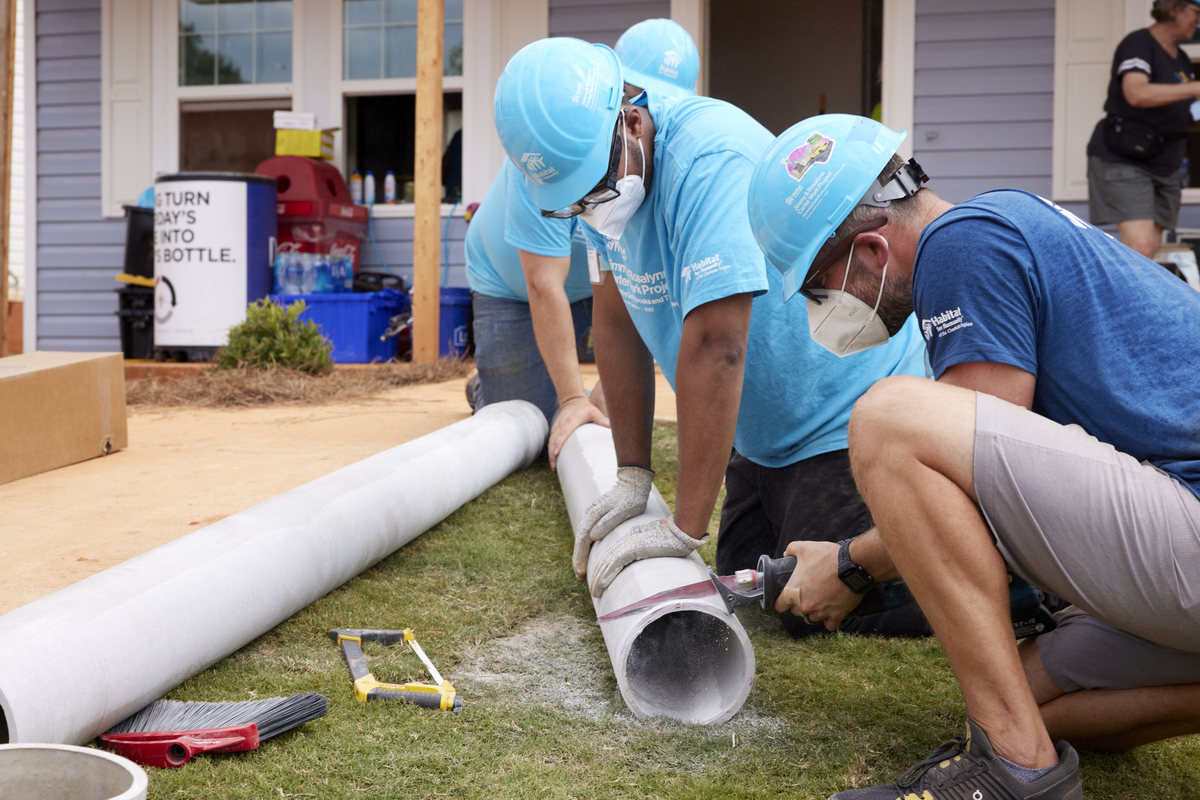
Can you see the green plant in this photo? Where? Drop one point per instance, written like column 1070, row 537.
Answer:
column 273, row 336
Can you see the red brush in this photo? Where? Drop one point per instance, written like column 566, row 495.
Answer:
column 176, row 748
column 167, row 733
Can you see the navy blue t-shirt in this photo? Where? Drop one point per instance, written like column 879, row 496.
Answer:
column 1112, row 338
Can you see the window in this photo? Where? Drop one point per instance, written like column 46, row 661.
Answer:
column 225, row 42
column 229, row 136
column 380, row 137
column 380, row 39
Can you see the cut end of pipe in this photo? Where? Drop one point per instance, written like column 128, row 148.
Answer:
column 690, row 665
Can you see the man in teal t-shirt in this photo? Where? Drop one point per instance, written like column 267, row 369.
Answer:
column 533, row 305
column 760, row 405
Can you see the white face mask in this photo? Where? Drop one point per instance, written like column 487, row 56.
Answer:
column 609, row 219
column 843, row 324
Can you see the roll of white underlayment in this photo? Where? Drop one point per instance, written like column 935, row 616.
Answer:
column 687, row 658
column 80, row 660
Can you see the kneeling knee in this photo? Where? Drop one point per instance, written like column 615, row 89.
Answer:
column 879, row 414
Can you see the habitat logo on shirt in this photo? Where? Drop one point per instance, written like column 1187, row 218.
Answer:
column 703, row 268
column 946, row 322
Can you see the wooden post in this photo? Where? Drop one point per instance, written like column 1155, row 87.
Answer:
column 8, row 49
column 427, row 180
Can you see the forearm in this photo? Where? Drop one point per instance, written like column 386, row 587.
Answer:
column 1155, row 95
column 708, row 388
column 627, row 373
column 554, row 329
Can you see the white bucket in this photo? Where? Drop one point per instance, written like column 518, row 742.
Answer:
column 66, row 772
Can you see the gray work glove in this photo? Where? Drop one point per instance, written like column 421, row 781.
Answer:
column 625, row 500
column 656, row 539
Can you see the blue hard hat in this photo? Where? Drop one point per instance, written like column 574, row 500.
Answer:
column 659, row 55
column 809, row 181
column 556, row 110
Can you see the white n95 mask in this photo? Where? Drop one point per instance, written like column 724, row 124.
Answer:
column 843, row 324
column 609, row 219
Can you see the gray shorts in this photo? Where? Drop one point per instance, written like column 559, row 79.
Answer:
column 1117, row 538
column 1123, row 192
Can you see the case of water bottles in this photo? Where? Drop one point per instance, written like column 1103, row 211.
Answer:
column 313, row 273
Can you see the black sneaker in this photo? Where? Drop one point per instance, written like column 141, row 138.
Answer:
column 968, row 769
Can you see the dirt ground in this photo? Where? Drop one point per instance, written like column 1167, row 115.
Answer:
column 187, row 468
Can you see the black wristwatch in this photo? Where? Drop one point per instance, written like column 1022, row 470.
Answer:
column 857, row 579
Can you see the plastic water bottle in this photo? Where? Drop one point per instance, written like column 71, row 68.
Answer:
column 369, row 189
column 324, row 280
column 341, row 270
column 293, row 273
column 389, row 187
column 308, row 273
column 356, row 188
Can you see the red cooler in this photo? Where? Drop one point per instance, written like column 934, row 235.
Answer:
column 316, row 214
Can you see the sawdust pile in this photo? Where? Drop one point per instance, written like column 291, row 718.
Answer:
column 560, row 662
column 243, row 388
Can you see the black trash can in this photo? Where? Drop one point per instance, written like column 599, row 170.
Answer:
column 136, row 312
column 139, row 241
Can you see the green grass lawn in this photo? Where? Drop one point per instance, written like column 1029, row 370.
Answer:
column 492, row 599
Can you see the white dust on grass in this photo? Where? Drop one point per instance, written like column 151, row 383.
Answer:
column 559, row 662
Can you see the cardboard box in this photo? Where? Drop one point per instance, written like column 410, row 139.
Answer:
column 313, row 144
column 58, row 409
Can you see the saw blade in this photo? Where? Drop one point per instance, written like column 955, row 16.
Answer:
column 692, row 590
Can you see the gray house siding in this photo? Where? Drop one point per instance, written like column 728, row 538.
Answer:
column 984, row 95
column 394, row 239
column 602, row 21
column 78, row 251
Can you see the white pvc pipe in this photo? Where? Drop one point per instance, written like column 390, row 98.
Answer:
column 688, row 659
column 80, row 660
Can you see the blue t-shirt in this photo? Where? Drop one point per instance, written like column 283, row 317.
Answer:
column 1112, row 338
column 690, row 243
column 507, row 220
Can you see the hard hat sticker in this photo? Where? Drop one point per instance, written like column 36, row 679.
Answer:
column 807, row 199
column 816, row 150
column 670, row 64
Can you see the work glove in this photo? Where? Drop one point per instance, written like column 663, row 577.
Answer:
column 625, row 500
column 656, row 539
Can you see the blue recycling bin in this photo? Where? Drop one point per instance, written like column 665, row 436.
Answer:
column 454, row 332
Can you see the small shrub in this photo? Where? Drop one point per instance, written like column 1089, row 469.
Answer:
column 273, row 336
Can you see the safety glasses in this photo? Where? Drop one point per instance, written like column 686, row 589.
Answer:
column 603, row 191
column 816, row 273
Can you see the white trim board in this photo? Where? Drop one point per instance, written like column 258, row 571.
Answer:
column 30, row 309
column 899, row 68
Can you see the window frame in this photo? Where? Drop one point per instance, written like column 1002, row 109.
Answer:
column 340, row 89
column 170, row 96
column 253, row 32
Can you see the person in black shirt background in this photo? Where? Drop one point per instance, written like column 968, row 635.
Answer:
column 1136, row 151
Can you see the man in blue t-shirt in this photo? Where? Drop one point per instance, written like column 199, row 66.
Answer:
column 1060, row 441
column 688, row 287
column 533, row 305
